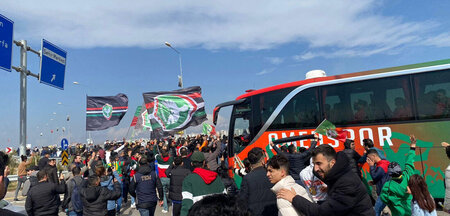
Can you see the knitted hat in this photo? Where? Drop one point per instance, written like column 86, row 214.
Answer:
column 197, row 157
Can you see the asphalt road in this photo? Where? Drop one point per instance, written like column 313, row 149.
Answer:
column 127, row 210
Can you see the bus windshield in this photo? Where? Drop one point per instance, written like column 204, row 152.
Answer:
column 241, row 121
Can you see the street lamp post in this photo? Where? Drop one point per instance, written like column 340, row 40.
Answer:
column 88, row 134
column 180, row 78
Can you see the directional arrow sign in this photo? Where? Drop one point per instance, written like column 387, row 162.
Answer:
column 64, row 158
column 64, row 144
column 6, row 40
column 53, row 65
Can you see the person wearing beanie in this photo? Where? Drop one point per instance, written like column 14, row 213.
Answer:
column 200, row 183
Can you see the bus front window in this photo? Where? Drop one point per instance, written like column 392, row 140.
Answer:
column 241, row 132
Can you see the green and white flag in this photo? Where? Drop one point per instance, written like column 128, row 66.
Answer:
column 143, row 122
column 173, row 111
column 208, row 129
column 328, row 129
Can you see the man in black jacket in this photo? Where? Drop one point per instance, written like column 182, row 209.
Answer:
column 44, row 160
column 143, row 186
column 255, row 187
column 346, row 193
column 353, row 156
column 95, row 197
column 297, row 160
column 43, row 198
column 176, row 172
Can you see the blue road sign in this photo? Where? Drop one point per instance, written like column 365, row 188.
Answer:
column 53, row 65
column 64, row 144
column 6, row 42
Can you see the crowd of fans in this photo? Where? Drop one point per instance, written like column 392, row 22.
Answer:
column 191, row 176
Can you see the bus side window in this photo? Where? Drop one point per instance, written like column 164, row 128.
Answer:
column 302, row 111
column 335, row 98
column 379, row 100
column 432, row 93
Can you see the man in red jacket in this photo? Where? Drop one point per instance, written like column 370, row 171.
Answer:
column 379, row 173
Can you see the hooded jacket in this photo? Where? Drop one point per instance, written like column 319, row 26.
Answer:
column 197, row 185
column 394, row 193
column 94, row 199
column 353, row 157
column 67, row 203
column 346, row 193
column 285, row 208
column 107, row 181
column 30, row 182
column 379, row 173
column 43, row 198
column 143, row 186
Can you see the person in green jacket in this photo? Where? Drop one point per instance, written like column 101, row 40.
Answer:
column 394, row 193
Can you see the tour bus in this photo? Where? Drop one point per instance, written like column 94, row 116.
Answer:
column 385, row 105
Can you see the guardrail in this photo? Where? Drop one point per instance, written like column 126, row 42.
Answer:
column 13, row 178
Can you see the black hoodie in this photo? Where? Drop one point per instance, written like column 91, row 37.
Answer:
column 95, row 199
column 353, row 157
column 346, row 193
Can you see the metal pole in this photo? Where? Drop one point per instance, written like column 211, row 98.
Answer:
column 23, row 97
column 181, row 69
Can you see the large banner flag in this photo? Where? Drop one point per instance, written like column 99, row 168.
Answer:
column 328, row 129
column 105, row 112
column 208, row 129
column 136, row 116
column 172, row 111
column 143, row 123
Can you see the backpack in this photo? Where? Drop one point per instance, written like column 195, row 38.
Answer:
column 76, row 198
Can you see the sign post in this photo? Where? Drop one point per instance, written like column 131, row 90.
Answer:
column 53, row 67
column 6, row 42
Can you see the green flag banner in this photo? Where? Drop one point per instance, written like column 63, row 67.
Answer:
column 328, row 129
column 208, row 129
column 173, row 111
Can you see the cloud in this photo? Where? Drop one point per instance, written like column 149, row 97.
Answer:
column 222, row 124
column 275, row 60
column 441, row 40
column 351, row 27
column 361, row 52
column 116, row 133
column 265, row 71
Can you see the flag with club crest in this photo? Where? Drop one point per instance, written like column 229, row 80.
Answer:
column 208, row 129
column 105, row 112
column 328, row 129
column 173, row 111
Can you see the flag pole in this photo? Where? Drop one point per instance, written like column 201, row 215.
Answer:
column 128, row 131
